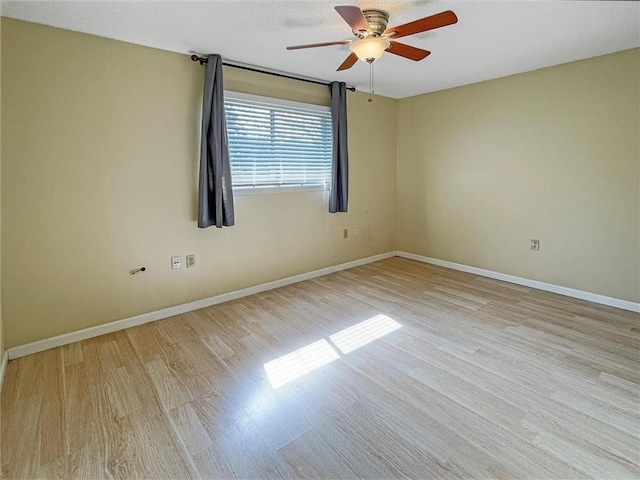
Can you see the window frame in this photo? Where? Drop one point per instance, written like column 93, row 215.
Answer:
column 270, row 189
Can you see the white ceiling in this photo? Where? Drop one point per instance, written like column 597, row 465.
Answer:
column 491, row 39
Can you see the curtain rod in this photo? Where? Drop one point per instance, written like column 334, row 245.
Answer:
column 196, row 58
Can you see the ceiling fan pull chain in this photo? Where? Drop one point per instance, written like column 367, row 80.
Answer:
column 370, row 81
column 373, row 80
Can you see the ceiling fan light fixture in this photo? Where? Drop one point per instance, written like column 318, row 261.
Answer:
column 369, row 49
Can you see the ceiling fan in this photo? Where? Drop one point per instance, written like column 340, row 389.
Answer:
column 374, row 38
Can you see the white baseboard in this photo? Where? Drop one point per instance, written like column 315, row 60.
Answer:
column 3, row 368
column 67, row 338
column 549, row 287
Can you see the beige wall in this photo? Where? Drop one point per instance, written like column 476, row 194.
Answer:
column 100, row 152
column 551, row 154
column 99, row 158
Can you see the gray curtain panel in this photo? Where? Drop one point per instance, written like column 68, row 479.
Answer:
column 339, row 192
column 215, row 196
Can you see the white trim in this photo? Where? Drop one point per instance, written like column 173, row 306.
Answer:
column 548, row 287
column 71, row 337
column 3, row 367
column 67, row 338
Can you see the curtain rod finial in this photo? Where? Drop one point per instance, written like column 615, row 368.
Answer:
column 196, row 58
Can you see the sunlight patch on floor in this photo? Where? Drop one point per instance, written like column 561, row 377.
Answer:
column 296, row 364
column 307, row 359
column 362, row 333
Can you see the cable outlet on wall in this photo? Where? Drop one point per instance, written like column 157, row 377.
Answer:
column 191, row 261
column 175, row 262
column 535, row 244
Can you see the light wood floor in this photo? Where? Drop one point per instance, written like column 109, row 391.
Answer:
column 484, row 379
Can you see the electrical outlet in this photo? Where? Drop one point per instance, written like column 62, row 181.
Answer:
column 345, row 233
column 175, row 262
column 191, row 261
column 535, row 244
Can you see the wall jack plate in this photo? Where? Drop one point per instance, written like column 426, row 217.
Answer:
column 175, row 263
column 535, row 244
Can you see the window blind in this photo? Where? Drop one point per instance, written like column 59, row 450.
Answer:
column 277, row 144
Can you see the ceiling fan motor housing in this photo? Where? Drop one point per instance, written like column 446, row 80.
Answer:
column 377, row 20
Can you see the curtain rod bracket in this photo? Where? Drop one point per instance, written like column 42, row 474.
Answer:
column 196, row 58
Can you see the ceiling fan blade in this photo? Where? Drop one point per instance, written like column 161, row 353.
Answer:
column 354, row 17
column 438, row 20
column 313, row 45
column 348, row 63
column 407, row 51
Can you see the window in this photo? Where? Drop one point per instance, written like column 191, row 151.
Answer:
column 276, row 144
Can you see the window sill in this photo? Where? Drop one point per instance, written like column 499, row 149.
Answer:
column 266, row 190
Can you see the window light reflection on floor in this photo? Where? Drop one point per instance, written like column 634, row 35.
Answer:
column 358, row 335
column 296, row 364
column 307, row 359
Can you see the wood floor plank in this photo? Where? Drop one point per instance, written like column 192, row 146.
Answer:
column 526, row 460
column 52, row 413
column 311, row 456
column 585, row 457
column 194, row 437
column 424, row 372
column 159, row 453
column 166, row 387
column 79, row 400
column 560, row 419
column 240, row 444
column 72, row 353
column 21, row 434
